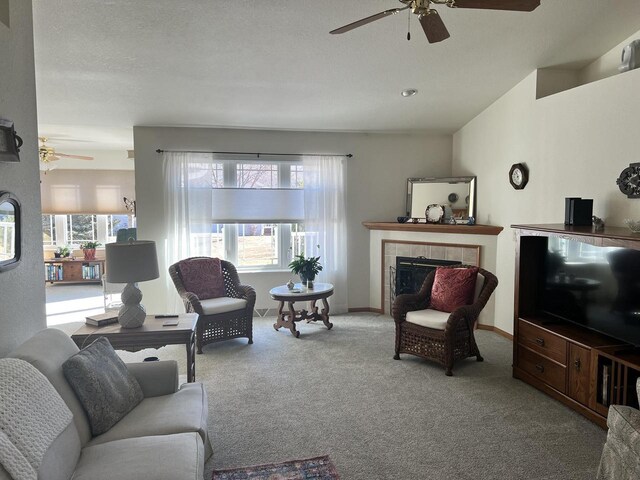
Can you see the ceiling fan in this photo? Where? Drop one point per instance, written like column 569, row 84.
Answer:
column 430, row 20
column 48, row 154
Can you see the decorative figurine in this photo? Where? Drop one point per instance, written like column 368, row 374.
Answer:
column 290, row 285
column 452, row 221
column 598, row 224
column 471, row 221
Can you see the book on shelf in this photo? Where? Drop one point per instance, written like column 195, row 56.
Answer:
column 102, row 319
column 605, row 385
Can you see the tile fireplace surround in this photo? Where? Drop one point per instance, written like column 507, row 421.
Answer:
column 467, row 254
column 470, row 245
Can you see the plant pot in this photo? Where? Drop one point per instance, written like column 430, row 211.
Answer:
column 57, row 255
column 89, row 253
column 307, row 281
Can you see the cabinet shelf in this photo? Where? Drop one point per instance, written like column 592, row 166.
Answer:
column 73, row 271
column 584, row 369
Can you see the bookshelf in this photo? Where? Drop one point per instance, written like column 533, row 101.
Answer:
column 73, row 271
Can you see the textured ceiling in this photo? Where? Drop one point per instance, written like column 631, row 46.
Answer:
column 103, row 66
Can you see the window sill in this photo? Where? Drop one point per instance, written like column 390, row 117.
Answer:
column 252, row 270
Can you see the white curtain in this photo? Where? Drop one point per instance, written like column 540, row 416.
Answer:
column 325, row 222
column 188, row 197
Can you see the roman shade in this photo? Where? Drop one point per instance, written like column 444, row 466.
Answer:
column 86, row 191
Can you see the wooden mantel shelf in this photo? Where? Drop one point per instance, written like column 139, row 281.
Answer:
column 434, row 228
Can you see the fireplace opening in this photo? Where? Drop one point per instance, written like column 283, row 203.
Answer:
column 410, row 272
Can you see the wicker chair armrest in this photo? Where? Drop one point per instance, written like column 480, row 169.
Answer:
column 248, row 293
column 467, row 314
column 408, row 302
column 192, row 300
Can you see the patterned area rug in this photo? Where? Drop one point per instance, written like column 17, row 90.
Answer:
column 318, row 468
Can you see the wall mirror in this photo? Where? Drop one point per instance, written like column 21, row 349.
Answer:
column 456, row 194
column 9, row 231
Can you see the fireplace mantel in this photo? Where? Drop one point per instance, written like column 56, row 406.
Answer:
column 434, row 228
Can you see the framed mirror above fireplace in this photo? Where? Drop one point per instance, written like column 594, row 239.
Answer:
column 457, row 195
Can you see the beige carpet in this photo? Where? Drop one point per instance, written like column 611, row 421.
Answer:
column 340, row 393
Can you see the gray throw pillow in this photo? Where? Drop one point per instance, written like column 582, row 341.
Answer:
column 103, row 385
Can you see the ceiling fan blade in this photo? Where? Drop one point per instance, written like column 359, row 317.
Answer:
column 515, row 5
column 433, row 26
column 370, row 19
column 77, row 157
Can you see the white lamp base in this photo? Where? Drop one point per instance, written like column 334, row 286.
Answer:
column 131, row 314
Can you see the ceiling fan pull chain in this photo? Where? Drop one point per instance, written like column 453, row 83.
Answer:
column 409, row 25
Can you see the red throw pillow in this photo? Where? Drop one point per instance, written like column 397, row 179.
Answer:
column 453, row 287
column 203, row 277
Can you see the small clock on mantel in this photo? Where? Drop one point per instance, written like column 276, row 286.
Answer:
column 518, row 176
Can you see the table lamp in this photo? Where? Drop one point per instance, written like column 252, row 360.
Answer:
column 131, row 262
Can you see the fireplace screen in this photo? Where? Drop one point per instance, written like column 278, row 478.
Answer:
column 410, row 272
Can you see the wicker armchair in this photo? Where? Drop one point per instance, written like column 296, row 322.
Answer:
column 441, row 337
column 221, row 317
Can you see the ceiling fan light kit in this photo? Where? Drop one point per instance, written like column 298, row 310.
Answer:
column 48, row 154
column 430, row 19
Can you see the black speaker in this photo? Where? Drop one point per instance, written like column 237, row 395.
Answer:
column 578, row 211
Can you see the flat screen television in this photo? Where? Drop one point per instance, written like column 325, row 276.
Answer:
column 597, row 287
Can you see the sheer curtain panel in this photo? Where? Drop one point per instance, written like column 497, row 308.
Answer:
column 325, row 222
column 188, row 197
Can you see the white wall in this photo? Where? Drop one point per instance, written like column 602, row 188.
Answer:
column 21, row 289
column 376, row 187
column 575, row 144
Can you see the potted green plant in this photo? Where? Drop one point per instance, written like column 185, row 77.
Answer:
column 306, row 267
column 62, row 252
column 89, row 249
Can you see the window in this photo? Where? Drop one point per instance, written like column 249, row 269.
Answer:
column 81, row 228
column 263, row 243
column 72, row 230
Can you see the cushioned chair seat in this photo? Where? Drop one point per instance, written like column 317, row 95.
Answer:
column 181, row 412
column 166, row 457
column 429, row 318
column 212, row 306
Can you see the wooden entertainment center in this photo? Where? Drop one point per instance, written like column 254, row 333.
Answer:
column 584, row 369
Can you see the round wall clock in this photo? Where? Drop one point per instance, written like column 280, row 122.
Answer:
column 518, row 176
column 629, row 181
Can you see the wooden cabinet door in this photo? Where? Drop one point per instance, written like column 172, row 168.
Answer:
column 579, row 368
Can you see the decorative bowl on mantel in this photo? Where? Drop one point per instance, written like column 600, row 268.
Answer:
column 634, row 225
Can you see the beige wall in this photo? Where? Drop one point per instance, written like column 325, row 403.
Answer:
column 21, row 289
column 575, row 144
column 376, row 186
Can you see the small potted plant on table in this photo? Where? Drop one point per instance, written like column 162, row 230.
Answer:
column 306, row 268
column 62, row 252
column 89, row 249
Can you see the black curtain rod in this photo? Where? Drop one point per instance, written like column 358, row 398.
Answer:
column 257, row 154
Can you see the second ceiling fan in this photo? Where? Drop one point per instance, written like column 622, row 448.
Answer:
column 430, row 20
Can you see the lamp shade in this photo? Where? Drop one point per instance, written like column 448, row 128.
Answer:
column 132, row 261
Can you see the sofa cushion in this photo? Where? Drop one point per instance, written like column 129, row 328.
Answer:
column 184, row 411
column 453, row 288
column 213, row 306
column 429, row 318
column 202, row 277
column 104, row 385
column 47, row 350
column 162, row 457
column 61, row 458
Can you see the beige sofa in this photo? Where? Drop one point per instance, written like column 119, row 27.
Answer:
column 164, row 437
column 621, row 453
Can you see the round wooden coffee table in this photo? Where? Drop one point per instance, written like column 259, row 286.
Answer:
column 288, row 318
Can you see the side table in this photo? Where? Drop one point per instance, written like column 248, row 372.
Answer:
column 288, row 318
column 152, row 334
